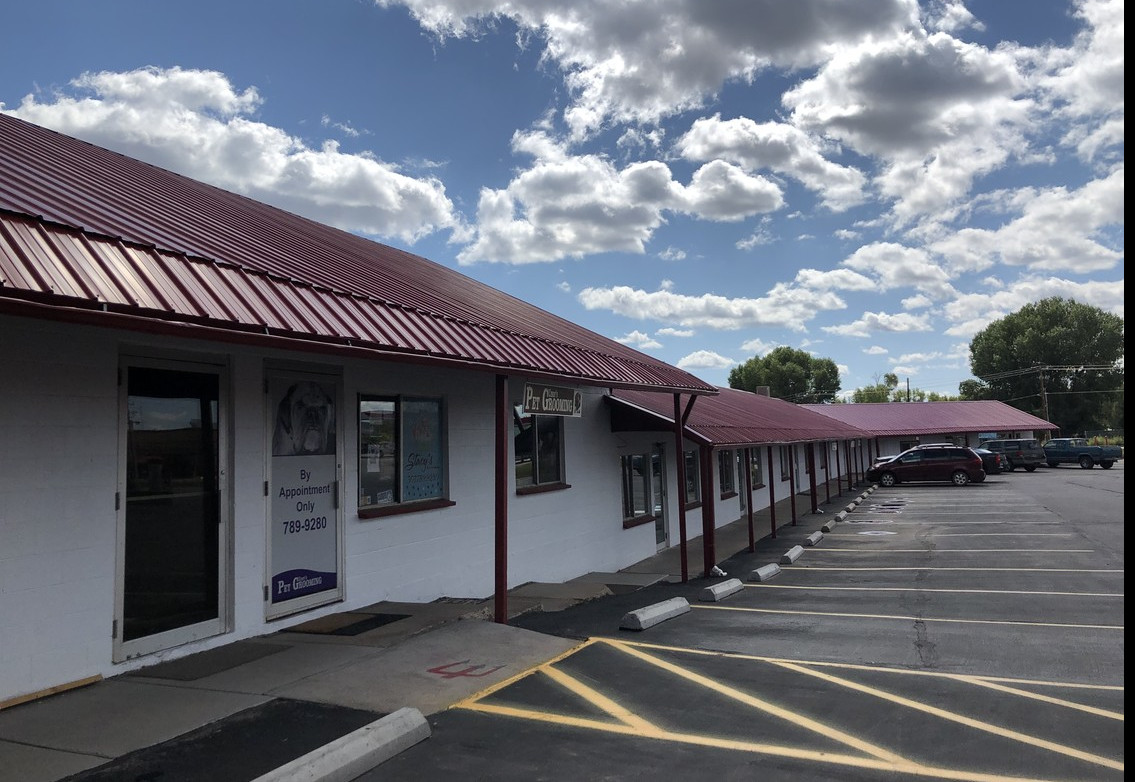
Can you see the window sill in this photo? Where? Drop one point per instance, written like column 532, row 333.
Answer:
column 693, row 505
column 728, row 495
column 637, row 521
column 542, row 488
column 405, row 507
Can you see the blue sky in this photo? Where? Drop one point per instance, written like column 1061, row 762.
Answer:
column 872, row 181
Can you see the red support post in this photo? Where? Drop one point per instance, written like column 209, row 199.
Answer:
column 771, row 494
column 500, row 577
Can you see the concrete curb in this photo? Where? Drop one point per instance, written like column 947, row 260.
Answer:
column 653, row 614
column 829, row 526
column 724, row 589
column 791, row 555
column 351, row 756
column 813, row 539
column 765, row 572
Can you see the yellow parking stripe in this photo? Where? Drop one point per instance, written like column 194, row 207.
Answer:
column 909, row 618
column 875, row 668
column 1106, row 713
column 763, row 705
column 855, row 761
column 591, row 695
column 961, row 719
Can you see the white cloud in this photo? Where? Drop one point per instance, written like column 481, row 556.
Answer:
column 872, row 322
column 705, row 359
column 1057, row 230
column 196, row 123
column 669, row 332
column 783, row 306
column 970, row 313
column 623, row 63
column 876, row 350
column 898, row 266
column 639, row 340
column 567, row 205
column 758, row 347
column 777, row 147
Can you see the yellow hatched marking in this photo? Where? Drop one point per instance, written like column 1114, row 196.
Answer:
column 909, row 618
column 900, row 766
column 861, row 667
column 762, row 705
column 1107, row 713
column 1023, row 738
column 591, row 695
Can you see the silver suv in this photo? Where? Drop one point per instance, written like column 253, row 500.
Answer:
column 1025, row 453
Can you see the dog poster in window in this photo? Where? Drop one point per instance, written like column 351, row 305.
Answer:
column 304, row 521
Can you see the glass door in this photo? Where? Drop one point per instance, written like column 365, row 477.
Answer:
column 170, row 513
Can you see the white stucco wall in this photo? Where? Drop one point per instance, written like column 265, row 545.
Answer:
column 58, row 524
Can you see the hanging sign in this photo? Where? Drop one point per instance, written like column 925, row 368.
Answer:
column 552, row 400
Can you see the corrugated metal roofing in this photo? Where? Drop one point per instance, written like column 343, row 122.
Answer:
column 894, row 419
column 739, row 418
column 85, row 228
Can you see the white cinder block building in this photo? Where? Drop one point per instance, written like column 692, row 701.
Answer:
column 220, row 419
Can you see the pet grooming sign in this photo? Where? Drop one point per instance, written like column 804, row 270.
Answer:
column 304, row 522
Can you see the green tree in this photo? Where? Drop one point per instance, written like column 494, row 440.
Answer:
column 790, row 374
column 888, row 390
column 1057, row 359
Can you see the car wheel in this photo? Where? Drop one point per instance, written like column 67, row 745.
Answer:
column 1106, row 465
column 1086, row 463
column 1031, row 468
column 887, row 479
column 960, row 478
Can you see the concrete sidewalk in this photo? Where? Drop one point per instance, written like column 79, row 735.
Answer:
column 242, row 710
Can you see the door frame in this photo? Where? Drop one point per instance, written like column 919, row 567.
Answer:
column 138, row 647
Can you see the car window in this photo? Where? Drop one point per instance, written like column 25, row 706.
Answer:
column 911, row 457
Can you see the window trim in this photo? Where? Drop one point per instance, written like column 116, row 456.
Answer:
column 400, row 505
column 727, row 489
column 557, row 484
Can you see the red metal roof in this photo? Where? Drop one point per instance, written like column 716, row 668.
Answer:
column 893, row 419
column 90, row 235
column 740, row 418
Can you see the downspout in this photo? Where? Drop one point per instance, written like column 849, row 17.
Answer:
column 708, row 511
column 681, row 465
column 771, row 494
column 500, row 595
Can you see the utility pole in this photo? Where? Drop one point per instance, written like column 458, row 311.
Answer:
column 908, row 390
column 1043, row 395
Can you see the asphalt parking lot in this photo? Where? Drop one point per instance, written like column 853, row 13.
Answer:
column 943, row 632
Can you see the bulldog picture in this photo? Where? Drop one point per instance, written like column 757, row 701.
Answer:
column 305, row 421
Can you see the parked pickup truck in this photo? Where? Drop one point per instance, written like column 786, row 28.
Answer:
column 1076, row 450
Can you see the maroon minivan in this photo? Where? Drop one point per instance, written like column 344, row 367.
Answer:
column 955, row 463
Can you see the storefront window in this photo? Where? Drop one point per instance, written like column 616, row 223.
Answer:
column 756, row 474
column 636, row 485
column 401, row 451
column 726, row 472
column 538, row 442
column 693, row 477
column 785, row 462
